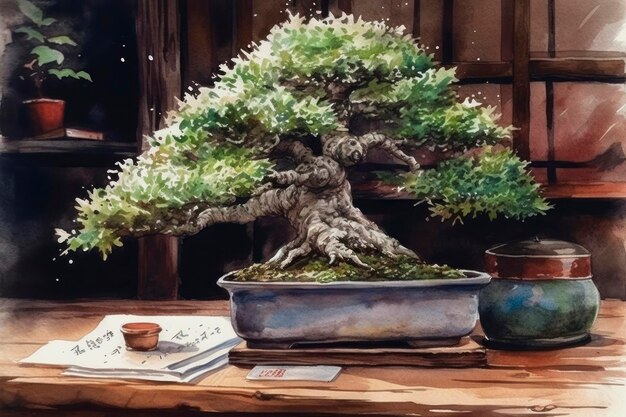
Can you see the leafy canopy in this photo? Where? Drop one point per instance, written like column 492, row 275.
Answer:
column 215, row 148
column 493, row 183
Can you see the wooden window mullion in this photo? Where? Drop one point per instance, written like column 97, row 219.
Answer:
column 552, row 178
column 521, row 78
column 447, row 32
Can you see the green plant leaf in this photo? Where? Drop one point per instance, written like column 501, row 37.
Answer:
column 46, row 55
column 64, row 73
column 67, row 72
column 84, row 75
column 62, row 40
column 31, row 11
column 34, row 13
column 31, row 33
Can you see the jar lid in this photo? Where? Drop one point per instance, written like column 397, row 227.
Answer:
column 539, row 259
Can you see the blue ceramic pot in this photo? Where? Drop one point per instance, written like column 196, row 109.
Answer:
column 280, row 314
column 541, row 295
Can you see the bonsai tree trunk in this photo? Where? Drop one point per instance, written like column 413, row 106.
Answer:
column 316, row 199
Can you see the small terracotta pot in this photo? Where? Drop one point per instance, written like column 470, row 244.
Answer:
column 45, row 114
column 141, row 336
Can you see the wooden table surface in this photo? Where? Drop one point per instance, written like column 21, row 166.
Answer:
column 584, row 381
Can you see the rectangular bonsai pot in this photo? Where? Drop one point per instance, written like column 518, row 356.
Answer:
column 281, row 314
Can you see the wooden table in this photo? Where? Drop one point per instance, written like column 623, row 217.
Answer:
column 583, row 381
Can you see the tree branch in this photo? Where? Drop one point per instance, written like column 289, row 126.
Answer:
column 296, row 150
column 379, row 140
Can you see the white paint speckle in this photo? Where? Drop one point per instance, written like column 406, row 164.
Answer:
column 70, row 261
column 150, row 58
column 123, row 59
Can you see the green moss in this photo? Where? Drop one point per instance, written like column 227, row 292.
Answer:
column 316, row 269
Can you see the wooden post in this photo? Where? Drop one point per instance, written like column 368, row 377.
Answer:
column 345, row 5
column 447, row 32
column 243, row 25
column 417, row 21
column 521, row 78
column 158, row 46
column 506, row 25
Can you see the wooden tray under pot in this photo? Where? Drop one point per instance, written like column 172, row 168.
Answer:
column 466, row 354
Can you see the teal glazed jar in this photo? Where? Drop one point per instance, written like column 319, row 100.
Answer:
column 541, row 295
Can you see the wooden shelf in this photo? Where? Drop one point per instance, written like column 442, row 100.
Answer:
column 557, row 69
column 586, row 190
column 376, row 190
column 562, row 69
column 66, row 146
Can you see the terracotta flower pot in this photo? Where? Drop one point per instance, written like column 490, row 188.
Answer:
column 45, row 114
column 141, row 336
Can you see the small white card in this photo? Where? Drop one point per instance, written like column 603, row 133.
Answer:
column 294, row 373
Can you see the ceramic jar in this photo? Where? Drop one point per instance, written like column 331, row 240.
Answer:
column 541, row 294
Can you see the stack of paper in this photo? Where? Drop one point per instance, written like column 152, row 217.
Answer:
column 189, row 347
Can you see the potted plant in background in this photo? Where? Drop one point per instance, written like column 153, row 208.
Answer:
column 48, row 43
column 276, row 136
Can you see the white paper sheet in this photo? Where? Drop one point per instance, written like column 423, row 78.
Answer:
column 187, row 346
column 188, row 377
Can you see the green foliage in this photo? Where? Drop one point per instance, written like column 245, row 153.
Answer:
column 280, row 86
column 316, row 269
column 424, row 110
column 492, row 183
column 48, row 57
column 161, row 189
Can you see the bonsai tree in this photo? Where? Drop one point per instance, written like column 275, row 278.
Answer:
column 319, row 94
column 48, row 40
